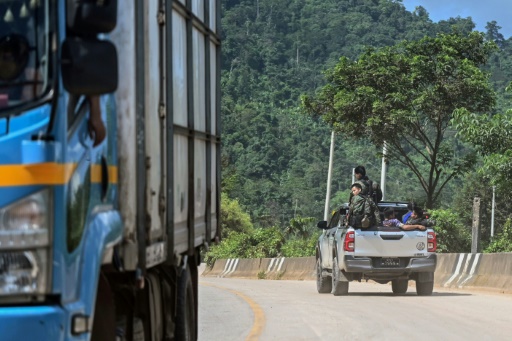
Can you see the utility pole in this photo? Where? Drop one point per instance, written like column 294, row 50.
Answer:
column 329, row 176
column 492, row 210
column 383, row 172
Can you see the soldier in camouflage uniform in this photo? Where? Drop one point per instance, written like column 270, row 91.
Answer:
column 361, row 178
column 359, row 173
column 369, row 187
column 361, row 206
column 417, row 218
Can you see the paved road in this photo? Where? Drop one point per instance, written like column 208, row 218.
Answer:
column 236, row 309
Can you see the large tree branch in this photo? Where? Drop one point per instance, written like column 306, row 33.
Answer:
column 398, row 153
column 440, row 189
column 416, row 148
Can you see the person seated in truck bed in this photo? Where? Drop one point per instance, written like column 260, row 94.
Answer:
column 418, row 217
column 362, row 211
column 409, row 212
column 390, row 220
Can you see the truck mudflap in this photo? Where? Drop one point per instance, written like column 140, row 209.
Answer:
column 33, row 323
column 405, row 264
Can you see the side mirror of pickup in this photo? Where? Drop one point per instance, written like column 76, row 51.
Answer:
column 322, row 225
column 89, row 66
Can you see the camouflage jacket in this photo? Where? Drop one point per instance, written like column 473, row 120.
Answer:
column 421, row 221
column 361, row 206
column 365, row 188
column 365, row 185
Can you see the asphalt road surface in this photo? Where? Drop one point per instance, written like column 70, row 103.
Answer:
column 238, row 309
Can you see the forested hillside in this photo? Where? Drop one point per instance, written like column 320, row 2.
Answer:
column 275, row 158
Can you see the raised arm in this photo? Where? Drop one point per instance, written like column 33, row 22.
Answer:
column 413, row 227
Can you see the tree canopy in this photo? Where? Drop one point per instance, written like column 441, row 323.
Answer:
column 405, row 96
column 492, row 136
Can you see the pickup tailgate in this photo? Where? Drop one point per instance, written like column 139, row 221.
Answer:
column 392, row 243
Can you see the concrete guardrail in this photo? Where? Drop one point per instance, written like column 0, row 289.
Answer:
column 454, row 270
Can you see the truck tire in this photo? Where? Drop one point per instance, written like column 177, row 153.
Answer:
column 323, row 283
column 138, row 330
column 399, row 286
column 186, row 315
column 104, row 322
column 424, row 288
column 339, row 286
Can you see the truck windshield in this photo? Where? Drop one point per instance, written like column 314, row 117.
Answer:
column 24, row 52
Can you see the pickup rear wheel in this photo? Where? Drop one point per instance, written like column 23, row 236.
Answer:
column 424, row 288
column 399, row 286
column 323, row 283
column 339, row 287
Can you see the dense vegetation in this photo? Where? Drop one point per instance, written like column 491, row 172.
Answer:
column 275, row 158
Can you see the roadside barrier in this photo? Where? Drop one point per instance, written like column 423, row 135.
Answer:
column 491, row 271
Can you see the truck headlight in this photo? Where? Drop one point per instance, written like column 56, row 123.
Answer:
column 25, row 234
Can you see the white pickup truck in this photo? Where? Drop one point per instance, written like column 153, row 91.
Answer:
column 378, row 253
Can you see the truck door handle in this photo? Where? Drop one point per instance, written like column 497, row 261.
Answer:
column 392, row 236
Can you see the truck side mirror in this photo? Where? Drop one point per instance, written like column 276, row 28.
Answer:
column 322, row 225
column 91, row 17
column 89, row 67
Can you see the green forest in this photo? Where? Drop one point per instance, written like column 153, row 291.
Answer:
column 289, row 71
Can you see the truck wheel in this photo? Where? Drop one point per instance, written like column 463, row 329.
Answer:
column 339, row 287
column 424, row 288
column 138, row 330
column 104, row 322
column 399, row 286
column 323, row 283
column 186, row 315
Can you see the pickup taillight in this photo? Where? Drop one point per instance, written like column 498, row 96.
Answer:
column 431, row 241
column 349, row 241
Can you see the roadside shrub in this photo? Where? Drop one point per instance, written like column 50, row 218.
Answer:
column 452, row 235
column 503, row 241
column 233, row 217
column 299, row 247
column 257, row 243
column 300, row 227
column 230, row 247
column 241, row 240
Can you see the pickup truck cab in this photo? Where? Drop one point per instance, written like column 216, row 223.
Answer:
column 378, row 253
